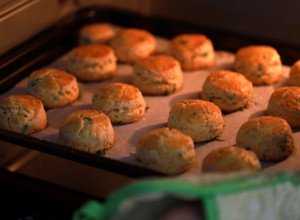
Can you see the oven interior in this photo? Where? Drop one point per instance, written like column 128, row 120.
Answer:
column 62, row 179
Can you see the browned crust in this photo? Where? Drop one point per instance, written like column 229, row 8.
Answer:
column 229, row 159
column 189, row 42
column 96, row 33
column 22, row 113
column 87, row 130
column 118, row 92
column 260, row 64
column 199, row 119
column 285, row 103
column 294, row 75
column 92, row 51
column 229, row 90
column 269, row 137
column 160, row 63
column 173, row 138
column 193, row 51
column 166, row 150
column 133, row 36
column 55, row 88
column 121, row 102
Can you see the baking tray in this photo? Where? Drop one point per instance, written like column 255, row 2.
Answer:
column 51, row 44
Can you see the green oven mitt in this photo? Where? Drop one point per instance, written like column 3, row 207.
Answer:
column 267, row 196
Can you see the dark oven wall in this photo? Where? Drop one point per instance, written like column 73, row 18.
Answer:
column 272, row 21
column 266, row 20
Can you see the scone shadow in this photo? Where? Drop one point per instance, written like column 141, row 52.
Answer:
column 273, row 165
column 53, row 138
column 257, row 114
column 282, row 82
column 52, row 113
column 121, row 76
column 201, row 144
column 225, row 66
column 178, row 98
column 139, row 133
column 264, row 164
column 18, row 91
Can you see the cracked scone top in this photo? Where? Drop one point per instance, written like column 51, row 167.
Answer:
column 55, row 88
column 91, row 62
column 87, row 130
column 22, row 113
column 199, row 119
column 122, row 103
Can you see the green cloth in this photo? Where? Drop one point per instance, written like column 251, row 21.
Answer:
column 148, row 199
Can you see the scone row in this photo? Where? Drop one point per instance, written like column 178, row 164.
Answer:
column 270, row 138
column 260, row 64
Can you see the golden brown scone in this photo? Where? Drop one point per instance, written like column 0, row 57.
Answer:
column 270, row 138
column 92, row 62
column 193, row 51
column 157, row 75
column 285, row 103
column 55, row 88
column 294, row 77
column 260, row 64
column 230, row 159
column 199, row 119
column 96, row 33
column 131, row 44
column 230, row 91
column 87, row 130
column 121, row 102
column 166, row 150
column 22, row 113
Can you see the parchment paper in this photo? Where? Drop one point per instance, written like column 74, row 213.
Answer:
column 127, row 135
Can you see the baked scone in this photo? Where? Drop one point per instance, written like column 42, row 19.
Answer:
column 121, row 102
column 166, row 150
column 230, row 91
column 260, row 64
column 270, row 138
column 294, row 76
column 55, row 88
column 87, row 130
column 96, row 33
column 199, row 119
column 193, row 51
column 157, row 75
column 285, row 103
column 230, row 159
column 91, row 62
column 22, row 113
column 131, row 44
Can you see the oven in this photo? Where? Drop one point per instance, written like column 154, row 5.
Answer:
column 35, row 173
